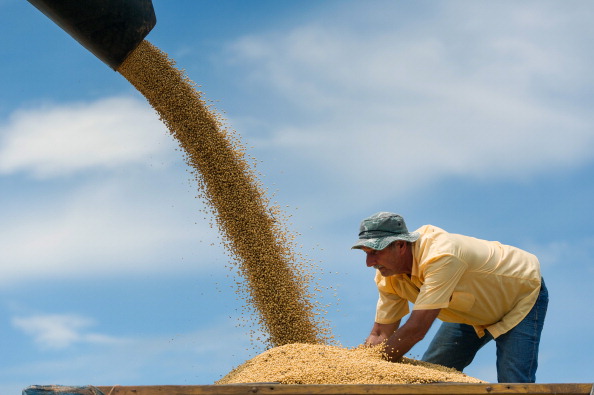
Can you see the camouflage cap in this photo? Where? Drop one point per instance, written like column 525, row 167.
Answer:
column 381, row 229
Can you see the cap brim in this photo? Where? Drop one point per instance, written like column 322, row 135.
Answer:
column 379, row 243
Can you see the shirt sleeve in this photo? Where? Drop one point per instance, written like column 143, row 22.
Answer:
column 440, row 279
column 390, row 306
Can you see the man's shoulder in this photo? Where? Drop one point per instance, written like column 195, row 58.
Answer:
column 428, row 230
column 433, row 243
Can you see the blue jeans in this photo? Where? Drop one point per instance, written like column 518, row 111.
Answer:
column 455, row 345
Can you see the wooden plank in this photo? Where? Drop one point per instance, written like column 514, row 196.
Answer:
column 368, row 389
column 60, row 390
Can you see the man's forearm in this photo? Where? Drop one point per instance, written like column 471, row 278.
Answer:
column 409, row 334
column 401, row 342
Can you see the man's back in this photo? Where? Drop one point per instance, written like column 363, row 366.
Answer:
column 473, row 281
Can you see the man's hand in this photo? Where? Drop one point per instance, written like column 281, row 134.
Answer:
column 380, row 333
column 413, row 331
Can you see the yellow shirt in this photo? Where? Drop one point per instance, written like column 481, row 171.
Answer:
column 482, row 283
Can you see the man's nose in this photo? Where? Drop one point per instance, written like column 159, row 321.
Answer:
column 370, row 261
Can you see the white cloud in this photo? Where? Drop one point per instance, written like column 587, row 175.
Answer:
column 168, row 358
column 63, row 139
column 113, row 227
column 58, row 331
column 486, row 92
column 138, row 216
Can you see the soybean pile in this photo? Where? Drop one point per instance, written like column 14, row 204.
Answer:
column 251, row 228
column 324, row 364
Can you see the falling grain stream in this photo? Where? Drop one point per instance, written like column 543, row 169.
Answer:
column 228, row 185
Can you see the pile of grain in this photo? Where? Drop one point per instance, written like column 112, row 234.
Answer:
column 321, row 364
column 251, row 229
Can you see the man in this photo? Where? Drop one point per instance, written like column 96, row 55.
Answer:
column 482, row 290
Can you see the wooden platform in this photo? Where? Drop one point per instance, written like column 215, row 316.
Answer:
column 328, row 389
column 371, row 389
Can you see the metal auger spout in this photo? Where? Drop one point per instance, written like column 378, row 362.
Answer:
column 110, row 29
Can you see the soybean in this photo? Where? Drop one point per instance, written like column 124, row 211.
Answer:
column 323, row 364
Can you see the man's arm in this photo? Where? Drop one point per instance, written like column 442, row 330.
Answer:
column 412, row 332
column 380, row 333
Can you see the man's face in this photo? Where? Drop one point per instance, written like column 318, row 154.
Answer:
column 389, row 261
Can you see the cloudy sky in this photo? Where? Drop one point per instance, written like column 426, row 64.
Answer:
column 473, row 116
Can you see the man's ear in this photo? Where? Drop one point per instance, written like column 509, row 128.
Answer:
column 402, row 245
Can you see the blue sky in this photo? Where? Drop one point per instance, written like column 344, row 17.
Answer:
column 472, row 116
